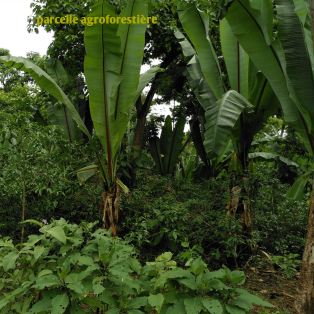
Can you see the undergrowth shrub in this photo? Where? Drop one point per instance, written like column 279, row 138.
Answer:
column 162, row 214
column 67, row 268
column 280, row 223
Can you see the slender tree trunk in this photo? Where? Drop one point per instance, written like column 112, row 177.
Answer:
column 304, row 299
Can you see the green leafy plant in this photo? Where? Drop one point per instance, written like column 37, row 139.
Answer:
column 287, row 263
column 165, row 151
column 70, row 268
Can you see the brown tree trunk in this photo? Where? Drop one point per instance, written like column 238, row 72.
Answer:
column 304, row 299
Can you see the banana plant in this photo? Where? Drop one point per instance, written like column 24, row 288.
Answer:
column 114, row 54
column 165, row 151
column 287, row 63
column 232, row 118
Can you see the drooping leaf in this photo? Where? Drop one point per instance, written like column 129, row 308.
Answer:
column 220, row 120
column 297, row 190
column 196, row 26
column 45, row 82
column 85, row 173
column 241, row 17
column 145, row 78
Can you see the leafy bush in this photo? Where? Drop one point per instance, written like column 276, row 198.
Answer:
column 70, row 269
column 281, row 223
column 163, row 213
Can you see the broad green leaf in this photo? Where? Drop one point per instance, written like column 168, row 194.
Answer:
column 252, row 298
column 187, row 48
column 212, row 306
column 98, row 288
column 172, row 274
column 107, row 298
column 171, row 143
column 92, row 301
column 243, row 303
column 302, row 9
column 241, row 70
column 134, row 264
column 156, row 301
column 178, row 307
column 39, row 250
column 164, row 257
column 3, row 303
column 44, row 272
column 297, row 190
column 85, row 173
column 56, row 71
column 75, row 308
column 220, row 120
column 196, row 24
column 241, row 17
column 58, row 233
column 42, row 305
column 198, row 266
column 113, row 311
column 112, row 67
column 27, row 302
column 261, row 156
column 155, row 151
column 137, row 302
column 77, row 287
column 234, row 309
column 145, row 78
column 297, row 63
column 7, row 244
column 45, row 82
column 193, row 306
column 8, row 261
column 196, row 78
column 237, row 277
column 46, row 281
column 85, row 260
column 59, row 303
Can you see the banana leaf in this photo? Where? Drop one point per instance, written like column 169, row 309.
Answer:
column 171, row 143
column 196, row 26
column 297, row 65
column 85, row 173
column 261, row 156
column 241, row 17
column 221, row 119
column 112, row 65
column 155, row 151
column 241, row 70
column 60, row 114
column 296, row 191
column 45, row 82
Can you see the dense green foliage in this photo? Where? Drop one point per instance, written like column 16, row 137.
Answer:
column 69, row 265
column 235, row 187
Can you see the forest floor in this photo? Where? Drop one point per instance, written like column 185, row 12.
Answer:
column 272, row 286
